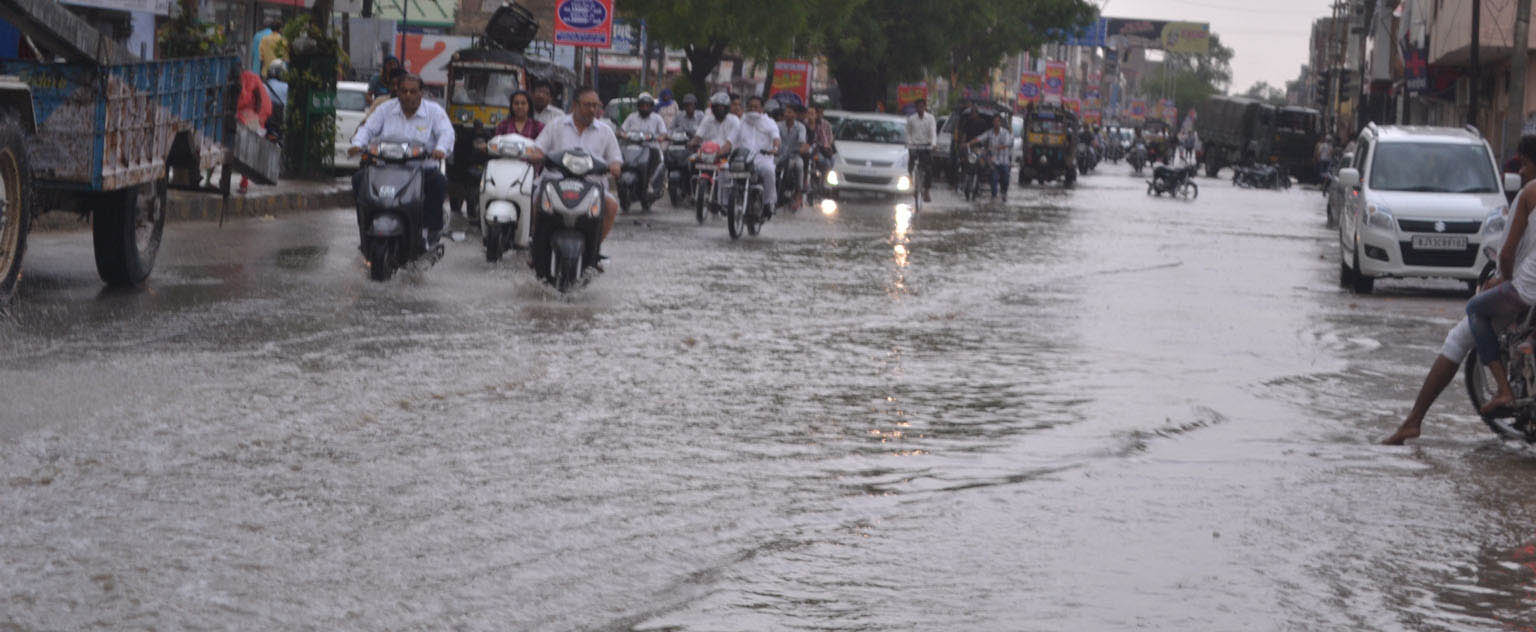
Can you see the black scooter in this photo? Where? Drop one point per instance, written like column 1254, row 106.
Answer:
column 640, row 181
column 390, row 199
column 568, row 229
column 678, row 174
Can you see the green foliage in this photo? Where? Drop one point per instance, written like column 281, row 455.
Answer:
column 312, row 70
column 1191, row 79
column 1262, row 91
column 683, row 85
column 706, row 29
column 186, row 36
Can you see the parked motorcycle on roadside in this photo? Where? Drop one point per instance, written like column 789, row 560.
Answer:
column 390, row 207
column 1260, row 177
column 1173, row 181
column 641, row 178
column 678, row 176
column 506, row 195
column 568, row 230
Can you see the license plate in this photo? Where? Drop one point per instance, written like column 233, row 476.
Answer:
column 1439, row 242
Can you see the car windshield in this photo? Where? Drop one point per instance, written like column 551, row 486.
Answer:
column 1047, row 126
column 1433, row 167
column 872, row 131
column 351, row 100
column 482, row 87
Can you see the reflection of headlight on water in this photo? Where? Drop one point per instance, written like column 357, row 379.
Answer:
column 828, row 207
column 903, row 183
column 903, row 217
column 901, row 255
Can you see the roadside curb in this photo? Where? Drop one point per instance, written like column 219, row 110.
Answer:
column 190, row 206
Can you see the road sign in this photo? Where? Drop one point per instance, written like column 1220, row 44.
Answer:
column 584, row 23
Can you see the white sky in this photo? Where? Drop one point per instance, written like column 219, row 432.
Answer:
column 1269, row 38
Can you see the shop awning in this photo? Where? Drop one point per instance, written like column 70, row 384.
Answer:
column 430, row 13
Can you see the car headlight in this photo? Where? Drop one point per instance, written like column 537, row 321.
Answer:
column 1378, row 216
column 1496, row 222
column 903, row 183
column 832, row 178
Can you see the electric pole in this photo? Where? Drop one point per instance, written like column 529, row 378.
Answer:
column 1474, row 79
column 1515, row 120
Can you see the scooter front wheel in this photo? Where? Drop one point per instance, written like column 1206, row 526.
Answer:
column 381, row 259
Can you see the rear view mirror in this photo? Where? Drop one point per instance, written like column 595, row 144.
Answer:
column 1349, row 177
column 1511, row 182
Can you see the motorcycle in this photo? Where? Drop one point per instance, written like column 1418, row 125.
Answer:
column 506, row 195
column 707, row 163
column 788, row 184
column 568, row 231
column 1260, row 177
column 970, row 180
column 1087, row 157
column 640, row 180
column 1518, row 420
column 390, row 214
column 1137, row 157
column 1173, row 181
column 818, row 188
column 676, row 161
column 1114, row 151
column 746, row 211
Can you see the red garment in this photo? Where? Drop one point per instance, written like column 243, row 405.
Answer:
column 255, row 104
column 530, row 128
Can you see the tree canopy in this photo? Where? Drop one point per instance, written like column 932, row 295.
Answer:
column 1262, row 91
column 705, row 30
column 1191, row 79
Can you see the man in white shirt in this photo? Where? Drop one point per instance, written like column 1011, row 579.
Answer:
column 998, row 145
column 689, row 118
column 408, row 117
column 720, row 124
column 646, row 121
column 922, row 135
column 582, row 130
column 544, row 110
column 758, row 133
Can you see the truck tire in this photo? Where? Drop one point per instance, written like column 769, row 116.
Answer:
column 15, row 204
column 127, row 233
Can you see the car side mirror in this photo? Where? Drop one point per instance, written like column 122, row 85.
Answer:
column 1511, row 182
column 1349, row 177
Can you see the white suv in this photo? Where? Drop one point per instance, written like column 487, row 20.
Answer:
column 1420, row 202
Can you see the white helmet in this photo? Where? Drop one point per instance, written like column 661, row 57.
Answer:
column 645, row 96
column 720, row 98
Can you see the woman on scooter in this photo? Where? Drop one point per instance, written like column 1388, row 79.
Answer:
column 521, row 121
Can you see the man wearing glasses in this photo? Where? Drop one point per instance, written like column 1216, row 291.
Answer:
column 582, row 129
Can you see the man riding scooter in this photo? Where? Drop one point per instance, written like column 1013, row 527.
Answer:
column 646, row 122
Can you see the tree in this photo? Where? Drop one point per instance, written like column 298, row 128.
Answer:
column 870, row 44
column 705, row 30
column 1190, row 79
column 1262, row 91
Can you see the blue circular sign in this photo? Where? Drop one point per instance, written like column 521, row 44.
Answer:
column 1030, row 90
column 582, row 14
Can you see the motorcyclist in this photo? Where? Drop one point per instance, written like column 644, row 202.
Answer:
column 793, row 141
column 819, row 132
column 645, row 120
column 758, row 133
column 922, row 137
column 689, row 118
column 582, row 129
column 720, row 124
column 411, row 118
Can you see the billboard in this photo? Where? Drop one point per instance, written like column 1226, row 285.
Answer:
column 1174, row 37
column 1029, row 87
column 584, row 23
column 428, row 55
column 792, row 77
column 910, row 92
column 1138, row 111
column 1055, row 81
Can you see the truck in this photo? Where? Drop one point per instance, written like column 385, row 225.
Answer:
column 97, row 132
column 1233, row 131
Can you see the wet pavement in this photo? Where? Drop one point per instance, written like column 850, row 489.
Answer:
column 1084, row 410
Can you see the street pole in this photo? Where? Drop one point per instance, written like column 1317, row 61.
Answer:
column 1476, row 76
column 1515, row 120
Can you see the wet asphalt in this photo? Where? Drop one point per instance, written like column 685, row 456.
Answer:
column 1086, row 409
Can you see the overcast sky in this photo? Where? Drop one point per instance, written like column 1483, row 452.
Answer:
column 1270, row 38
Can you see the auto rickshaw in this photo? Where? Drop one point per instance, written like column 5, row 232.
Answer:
column 480, row 82
column 1050, row 145
column 1160, row 142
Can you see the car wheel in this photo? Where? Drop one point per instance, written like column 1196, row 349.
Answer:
column 1360, row 283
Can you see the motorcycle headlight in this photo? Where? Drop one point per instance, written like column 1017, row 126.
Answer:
column 1378, row 216
column 577, row 163
column 392, row 151
column 464, row 116
column 832, row 178
column 903, row 183
column 505, row 149
column 1496, row 222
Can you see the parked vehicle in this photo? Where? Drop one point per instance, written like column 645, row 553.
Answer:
column 1336, row 192
column 1050, row 145
column 1421, row 201
column 506, row 195
column 567, row 235
column 641, row 179
column 1173, row 181
column 1296, row 133
column 871, row 154
column 1261, row 177
column 391, row 207
column 1231, row 129
column 351, row 108
column 678, row 174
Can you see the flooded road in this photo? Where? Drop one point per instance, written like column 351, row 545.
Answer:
column 1084, row 410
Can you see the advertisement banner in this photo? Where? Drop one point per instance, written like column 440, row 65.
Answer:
column 1138, row 111
column 1029, row 87
column 584, row 23
column 1092, row 116
column 1055, row 81
column 428, row 55
column 1174, row 37
column 792, row 77
column 1075, row 105
column 1169, row 112
column 907, row 93
column 1091, row 93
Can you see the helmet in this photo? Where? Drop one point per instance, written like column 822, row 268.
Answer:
column 720, row 98
column 645, row 97
column 277, row 69
column 774, row 107
column 689, row 99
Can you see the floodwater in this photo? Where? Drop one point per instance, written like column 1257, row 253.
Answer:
column 1084, row 410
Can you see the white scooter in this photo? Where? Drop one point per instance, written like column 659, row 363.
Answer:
column 506, row 195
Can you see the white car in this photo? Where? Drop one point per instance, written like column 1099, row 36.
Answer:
column 351, row 105
column 1423, row 201
column 871, row 154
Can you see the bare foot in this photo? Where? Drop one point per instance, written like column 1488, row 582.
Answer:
column 1499, row 401
column 1404, row 433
